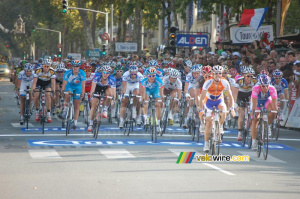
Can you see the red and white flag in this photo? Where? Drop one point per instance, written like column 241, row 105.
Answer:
column 253, row 17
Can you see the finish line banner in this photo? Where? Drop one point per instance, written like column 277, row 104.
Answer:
column 248, row 34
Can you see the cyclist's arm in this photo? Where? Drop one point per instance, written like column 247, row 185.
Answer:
column 124, row 85
column 198, row 93
column 114, row 92
column 254, row 103
column 142, row 92
column 34, row 83
column 179, row 94
column 202, row 96
column 19, row 84
column 83, row 88
column 93, row 88
column 186, row 86
column 53, row 85
column 235, row 91
column 231, row 101
column 161, row 93
column 274, row 104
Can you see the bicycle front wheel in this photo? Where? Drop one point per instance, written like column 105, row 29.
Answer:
column 265, row 140
column 259, row 138
column 154, row 126
column 217, row 139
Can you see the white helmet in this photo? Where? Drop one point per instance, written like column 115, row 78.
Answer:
column 28, row 66
column 217, row 68
column 196, row 68
column 188, row 63
column 106, row 67
column 174, row 73
column 60, row 67
column 47, row 62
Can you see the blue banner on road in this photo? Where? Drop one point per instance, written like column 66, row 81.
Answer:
column 140, row 142
column 189, row 40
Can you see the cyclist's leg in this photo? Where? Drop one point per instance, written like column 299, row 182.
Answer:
column 146, row 103
column 269, row 107
column 192, row 92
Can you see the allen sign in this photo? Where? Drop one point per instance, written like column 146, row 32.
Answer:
column 186, row 40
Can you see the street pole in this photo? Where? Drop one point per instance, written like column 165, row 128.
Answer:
column 106, row 17
column 278, row 17
column 59, row 34
column 112, row 22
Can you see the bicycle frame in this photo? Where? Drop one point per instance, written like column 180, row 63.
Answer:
column 70, row 113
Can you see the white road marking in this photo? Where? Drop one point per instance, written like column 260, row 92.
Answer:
column 116, row 153
column 177, row 152
column 276, row 172
column 253, row 156
column 44, row 154
column 219, row 169
column 21, row 126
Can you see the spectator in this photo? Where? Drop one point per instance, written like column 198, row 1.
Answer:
column 264, row 65
column 272, row 65
column 287, row 70
column 282, row 62
column 236, row 60
column 296, row 78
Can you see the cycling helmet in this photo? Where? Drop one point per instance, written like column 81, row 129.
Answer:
column 60, row 67
column 188, row 63
column 151, row 70
column 119, row 66
column 195, row 68
column 76, row 63
column 247, row 71
column 159, row 64
column 69, row 57
column 88, row 67
column 206, row 70
column 277, row 73
column 263, row 79
column 172, row 65
column 28, row 66
column 82, row 66
column 217, row 68
column 123, row 60
column 112, row 64
column 133, row 68
column 225, row 67
column 47, row 62
column 68, row 65
column 40, row 60
column 264, row 72
column 166, row 70
column 243, row 68
column 165, row 63
column 233, row 72
column 106, row 67
column 252, row 72
column 152, row 63
column 173, row 73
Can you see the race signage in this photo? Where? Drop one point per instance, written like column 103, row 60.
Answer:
column 126, row 47
column 92, row 53
column 188, row 40
column 248, row 34
column 76, row 56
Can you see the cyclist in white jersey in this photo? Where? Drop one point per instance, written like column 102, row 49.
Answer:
column 130, row 83
column 189, row 89
column 59, row 71
column 25, row 79
column 173, row 87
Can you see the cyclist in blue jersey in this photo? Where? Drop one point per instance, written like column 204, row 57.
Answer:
column 281, row 85
column 74, row 79
column 118, row 76
column 185, row 71
column 152, row 85
column 103, row 82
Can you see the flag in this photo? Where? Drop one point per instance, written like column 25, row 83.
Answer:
column 253, row 17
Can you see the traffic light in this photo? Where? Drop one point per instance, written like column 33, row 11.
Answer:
column 172, row 35
column 7, row 46
column 59, row 54
column 33, row 29
column 103, row 49
column 65, row 6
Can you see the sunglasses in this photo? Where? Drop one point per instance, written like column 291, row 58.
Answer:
column 60, row 71
column 277, row 78
column 264, row 86
column 119, row 71
column 133, row 74
column 249, row 76
column 218, row 73
column 29, row 71
column 234, row 58
column 76, row 66
column 46, row 66
column 151, row 75
column 88, row 71
column 104, row 72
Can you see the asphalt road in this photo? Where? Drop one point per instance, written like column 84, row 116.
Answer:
column 117, row 166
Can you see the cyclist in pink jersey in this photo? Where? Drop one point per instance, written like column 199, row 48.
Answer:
column 266, row 95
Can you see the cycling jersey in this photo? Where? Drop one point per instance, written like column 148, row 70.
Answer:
column 24, row 78
column 240, row 84
column 264, row 98
column 171, row 86
column 152, row 88
column 88, row 82
column 118, row 83
column 25, row 81
column 281, row 86
column 215, row 91
column 183, row 77
column 41, row 75
column 111, row 81
column 191, row 80
column 74, row 80
column 127, row 78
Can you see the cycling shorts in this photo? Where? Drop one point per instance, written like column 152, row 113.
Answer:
column 209, row 104
column 154, row 92
column 43, row 84
column 101, row 89
column 243, row 97
column 132, row 87
column 77, row 90
column 23, row 87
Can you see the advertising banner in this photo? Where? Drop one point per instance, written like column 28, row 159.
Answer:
column 188, row 40
column 248, row 34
